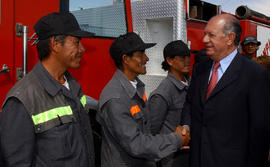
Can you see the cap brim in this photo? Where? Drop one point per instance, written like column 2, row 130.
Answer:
column 141, row 47
column 256, row 42
column 149, row 45
column 144, row 46
column 82, row 34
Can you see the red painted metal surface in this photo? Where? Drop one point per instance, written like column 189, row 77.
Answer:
column 6, row 46
column 195, row 32
column 97, row 66
column 26, row 12
column 261, row 20
column 129, row 15
column 248, row 28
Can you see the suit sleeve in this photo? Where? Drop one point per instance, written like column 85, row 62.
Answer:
column 157, row 112
column 17, row 135
column 259, row 114
column 125, row 131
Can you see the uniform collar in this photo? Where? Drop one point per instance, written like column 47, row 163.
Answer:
column 125, row 83
column 50, row 84
column 176, row 81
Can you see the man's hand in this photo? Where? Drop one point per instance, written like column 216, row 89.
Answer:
column 183, row 132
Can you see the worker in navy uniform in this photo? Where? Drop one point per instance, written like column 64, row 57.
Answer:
column 44, row 121
column 250, row 45
column 126, row 137
column 166, row 102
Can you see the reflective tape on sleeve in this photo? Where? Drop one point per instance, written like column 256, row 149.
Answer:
column 83, row 100
column 51, row 114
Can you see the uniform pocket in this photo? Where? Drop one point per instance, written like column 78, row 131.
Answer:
column 54, row 143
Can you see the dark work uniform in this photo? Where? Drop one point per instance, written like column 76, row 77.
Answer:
column 126, row 140
column 248, row 57
column 165, row 108
column 58, row 136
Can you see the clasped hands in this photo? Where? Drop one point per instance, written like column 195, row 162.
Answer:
column 184, row 133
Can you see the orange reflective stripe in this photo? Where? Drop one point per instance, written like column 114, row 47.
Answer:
column 134, row 109
column 144, row 97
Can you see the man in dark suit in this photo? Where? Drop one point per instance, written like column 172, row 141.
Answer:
column 227, row 106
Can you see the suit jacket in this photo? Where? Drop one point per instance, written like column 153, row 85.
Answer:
column 231, row 128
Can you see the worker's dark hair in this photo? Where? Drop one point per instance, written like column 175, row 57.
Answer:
column 172, row 49
column 44, row 48
column 233, row 25
column 117, row 57
column 117, row 50
column 127, row 44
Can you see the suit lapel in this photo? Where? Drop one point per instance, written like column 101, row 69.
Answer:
column 229, row 76
column 204, row 77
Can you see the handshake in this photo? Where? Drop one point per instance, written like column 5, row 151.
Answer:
column 183, row 132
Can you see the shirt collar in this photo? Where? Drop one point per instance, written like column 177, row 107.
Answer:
column 131, row 91
column 180, row 85
column 226, row 61
column 134, row 83
column 50, row 84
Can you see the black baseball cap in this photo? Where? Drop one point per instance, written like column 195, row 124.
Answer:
column 63, row 23
column 251, row 39
column 176, row 48
column 128, row 43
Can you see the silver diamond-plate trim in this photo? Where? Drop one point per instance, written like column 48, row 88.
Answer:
column 153, row 9
column 103, row 21
column 181, row 25
column 144, row 13
column 151, row 82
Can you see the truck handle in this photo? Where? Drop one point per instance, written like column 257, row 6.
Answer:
column 22, row 31
column 4, row 69
column 25, row 47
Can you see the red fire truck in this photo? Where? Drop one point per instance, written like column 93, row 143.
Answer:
column 16, row 28
column 108, row 19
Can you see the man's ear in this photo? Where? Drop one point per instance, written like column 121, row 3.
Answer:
column 257, row 47
column 231, row 37
column 169, row 61
column 54, row 45
column 125, row 59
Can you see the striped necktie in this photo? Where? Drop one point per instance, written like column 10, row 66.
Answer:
column 213, row 80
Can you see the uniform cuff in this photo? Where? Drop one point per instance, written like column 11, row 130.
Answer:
column 178, row 140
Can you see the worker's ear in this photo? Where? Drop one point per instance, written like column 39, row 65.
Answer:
column 125, row 59
column 257, row 47
column 231, row 37
column 170, row 60
column 55, row 45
